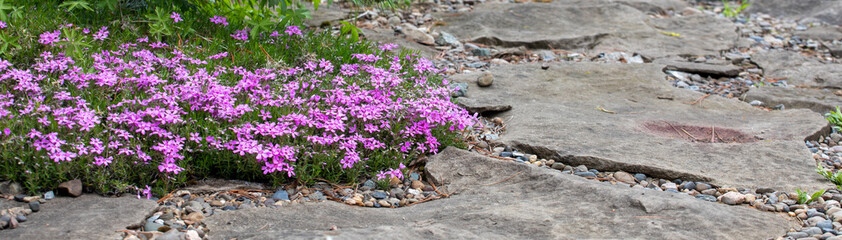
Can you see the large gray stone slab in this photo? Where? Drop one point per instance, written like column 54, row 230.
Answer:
column 818, row 100
column 822, row 10
column 498, row 199
column 798, row 70
column 555, row 113
column 85, row 217
column 824, row 33
column 597, row 25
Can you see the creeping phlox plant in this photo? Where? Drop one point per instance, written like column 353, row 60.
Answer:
column 158, row 111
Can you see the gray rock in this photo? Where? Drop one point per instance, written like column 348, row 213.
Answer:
column 797, row 235
column 702, row 68
column 447, row 39
column 483, row 105
column 171, row 235
column 414, row 34
column 799, row 70
column 813, row 231
column 21, row 218
column 379, row 194
column 71, row 188
column 10, row 188
column 700, row 186
column 826, row 11
column 624, row 177
column 706, row 197
column 640, row 176
column 281, row 195
column 35, row 206
column 49, row 195
column 824, row 33
column 826, row 224
column 467, row 215
column 481, row 52
column 688, row 185
column 621, row 25
column 395, row 21
column 546, row 55
column 818, row 100
column 485, row 80
column 585, row 174
column 64, row 218
column 563, row 122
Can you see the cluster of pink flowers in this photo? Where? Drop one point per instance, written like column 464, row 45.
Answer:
column 145, row 104
column 219, row 20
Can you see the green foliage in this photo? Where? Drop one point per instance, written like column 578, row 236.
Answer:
column 350, row 30
column 803, row 198
column 835, row 178
column 835, row 118
column 732, row 11
column 78, row 4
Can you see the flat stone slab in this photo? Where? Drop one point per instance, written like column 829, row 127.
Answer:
column 818, row 100
column 498, row 199
column 627, row 117
column 482, row 105
column 815, row 10
column 798, row 70
column 702, row 68
column 591, row 25
column 825, row 33
column 85, row 217
column 382, row 36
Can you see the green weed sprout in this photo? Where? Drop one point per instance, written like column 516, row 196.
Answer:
column 731, row 11
column 804, row 199
column 835, row 118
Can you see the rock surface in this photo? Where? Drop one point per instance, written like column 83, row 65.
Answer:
column 798, row 70
column 600, row 25
column 566, row 125
column 386, row 36
column 817, row 10
column 818, row 100
column 483, row 105
column 85, row 217
column 479, row 211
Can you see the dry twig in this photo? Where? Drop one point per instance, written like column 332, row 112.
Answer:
column 505, row 179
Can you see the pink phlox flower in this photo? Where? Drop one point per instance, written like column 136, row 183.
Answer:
column 241, row 35
column 218, row 56
column 195, row 137
column 147, row 192
column 388, row 46
column 2, row 25
column 100, row 161
column 366, row 57
column 175, row 17
column 50, row 38
column 219, row 20
column 101, row 34
column 293, row 30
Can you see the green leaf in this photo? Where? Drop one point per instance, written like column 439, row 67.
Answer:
column 3, row 8
column 316, row 4
column 73, row 5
